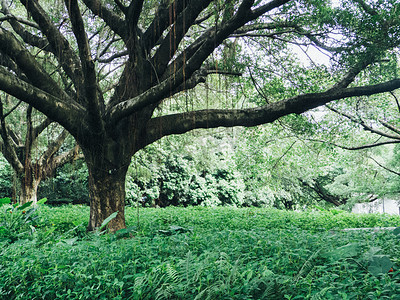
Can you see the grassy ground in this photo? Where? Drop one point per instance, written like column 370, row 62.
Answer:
column 202, row 253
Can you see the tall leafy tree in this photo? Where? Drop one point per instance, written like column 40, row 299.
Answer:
column 102, row 68
column 30, row 161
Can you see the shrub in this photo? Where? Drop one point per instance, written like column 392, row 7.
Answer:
column 17, row 221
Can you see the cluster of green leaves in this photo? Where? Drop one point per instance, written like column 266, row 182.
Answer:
column 207, row 253
column 17, row 221
column 179, row 173
column 5, row 178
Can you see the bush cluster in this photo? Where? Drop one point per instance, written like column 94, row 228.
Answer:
column 179, row 182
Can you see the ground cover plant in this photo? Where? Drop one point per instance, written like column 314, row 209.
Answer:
column 203, row 253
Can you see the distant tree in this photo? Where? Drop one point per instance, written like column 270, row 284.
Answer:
column 30, row 163
column 102, row 68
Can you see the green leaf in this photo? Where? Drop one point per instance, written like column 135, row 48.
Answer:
column 5, row 200
column 71, row 241
column 166, row 232
column 373, row 251
column 397, row 231
column 27, row 204
column 346, row 251
column 379, row 264
column 107, row 220
column 42, row 201
column 124, row 232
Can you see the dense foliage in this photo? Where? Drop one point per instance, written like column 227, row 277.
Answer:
column 6, row 182
column 203, row 253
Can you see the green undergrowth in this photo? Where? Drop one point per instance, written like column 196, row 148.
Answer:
column 204, row 253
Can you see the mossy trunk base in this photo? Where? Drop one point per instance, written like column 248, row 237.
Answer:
column 107, row 195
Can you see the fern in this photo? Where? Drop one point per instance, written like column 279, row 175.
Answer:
column 171, row 278
column 307, row 267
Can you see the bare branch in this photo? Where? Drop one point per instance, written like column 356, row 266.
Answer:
column 12, row 109
column 264, row 35
column 364, row 125
column 283, row 155
column 105, row 49
column 112, row 57
column 362, row 147
column 384, row 167
column 267, row 7
column 266, row 26
column 390, row 127
column 313, row 38
column 397, row 101
column 19, row 20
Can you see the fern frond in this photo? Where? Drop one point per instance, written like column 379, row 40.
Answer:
column 307, row 267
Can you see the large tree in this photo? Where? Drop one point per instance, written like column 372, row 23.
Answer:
column 101, row 68
column 31, row 161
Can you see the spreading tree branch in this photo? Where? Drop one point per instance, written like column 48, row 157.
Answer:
column 53, row 148
column 181, row 123
column 60, row 160
column 41, row 127
column 113, row 57
column 8, row 146
column 384, row 167
column 59, row 44
column 63, row 110
column 391, row 127
column 364, row 125
column 113, row 21
column 36, row 74
column 163, row 18
column 95, row 106
column 210, row 42
column 362, row 147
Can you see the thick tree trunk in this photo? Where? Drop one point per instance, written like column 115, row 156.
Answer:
column 28, row 191
column 29, row 182
column 107, row 192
